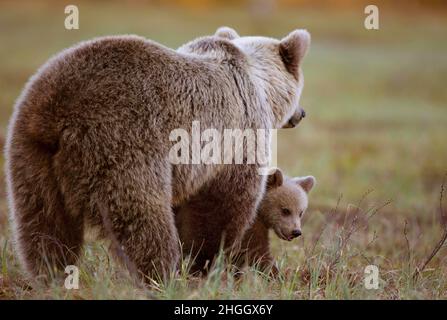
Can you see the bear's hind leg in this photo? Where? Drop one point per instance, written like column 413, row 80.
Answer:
column 134, row 204
column 47, row 236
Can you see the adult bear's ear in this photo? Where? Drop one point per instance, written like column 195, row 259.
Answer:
column 307, row 183
column 275, row 179
column 293, row 48
column 227, row 33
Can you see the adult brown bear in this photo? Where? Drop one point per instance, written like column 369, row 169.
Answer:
column 91, row 130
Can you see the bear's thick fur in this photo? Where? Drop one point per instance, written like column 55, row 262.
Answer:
column 88, row 143
column 281, row 210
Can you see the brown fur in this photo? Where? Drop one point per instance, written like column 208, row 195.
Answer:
column 91, row 129
column 283, row 193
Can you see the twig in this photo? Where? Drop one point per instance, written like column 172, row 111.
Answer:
column 353, row 228
column 407, row 242
column 441, row 242
column 331, row 217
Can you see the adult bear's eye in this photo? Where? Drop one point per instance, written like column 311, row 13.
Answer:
column 285, row 211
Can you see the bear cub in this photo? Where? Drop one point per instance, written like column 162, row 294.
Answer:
column 281, row 209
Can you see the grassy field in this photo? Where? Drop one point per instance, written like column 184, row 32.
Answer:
column 375, row 139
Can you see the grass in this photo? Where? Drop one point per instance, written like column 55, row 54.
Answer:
column 377, row 114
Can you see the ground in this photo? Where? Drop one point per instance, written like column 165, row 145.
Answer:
column 374, row 137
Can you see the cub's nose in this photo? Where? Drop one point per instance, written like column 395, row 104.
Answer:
column 303, row 113
column 296, row 233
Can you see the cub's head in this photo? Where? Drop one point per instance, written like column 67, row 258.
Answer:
column 274, row 66
column 285, row 203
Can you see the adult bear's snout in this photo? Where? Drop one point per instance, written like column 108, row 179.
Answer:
column 295, row 118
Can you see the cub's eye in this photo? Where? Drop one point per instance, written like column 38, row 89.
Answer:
column 285, row 211
column 301, row 213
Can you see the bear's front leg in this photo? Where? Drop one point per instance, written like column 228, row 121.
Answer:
column 255, row 249
column 221, row 212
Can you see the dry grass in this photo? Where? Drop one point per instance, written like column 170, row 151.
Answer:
column 376, row 105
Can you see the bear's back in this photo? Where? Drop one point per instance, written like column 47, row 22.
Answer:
column 115, row 79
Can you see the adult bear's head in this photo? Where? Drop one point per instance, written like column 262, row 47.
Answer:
column 274, row 66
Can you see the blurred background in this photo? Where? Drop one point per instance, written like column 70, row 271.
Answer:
column 376, row 100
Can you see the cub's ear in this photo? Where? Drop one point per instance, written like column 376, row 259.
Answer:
column 275, row 179
column 307, row 183
column 293, row 48
column 227, row 33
